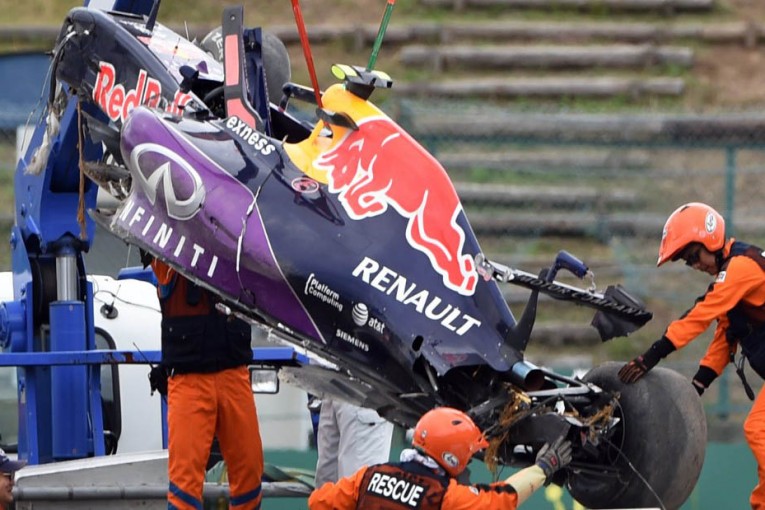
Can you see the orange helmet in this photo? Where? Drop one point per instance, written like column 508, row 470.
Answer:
column 691, row 223
column 449, row 437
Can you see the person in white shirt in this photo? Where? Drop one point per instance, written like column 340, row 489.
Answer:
column 348, row 438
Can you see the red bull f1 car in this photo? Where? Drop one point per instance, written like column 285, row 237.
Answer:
column 342, row 235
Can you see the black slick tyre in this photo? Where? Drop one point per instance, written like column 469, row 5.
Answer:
column 662, row 439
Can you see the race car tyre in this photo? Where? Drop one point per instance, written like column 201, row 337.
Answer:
column 658, row 446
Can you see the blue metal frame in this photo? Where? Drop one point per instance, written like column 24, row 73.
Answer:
column 59, row 384
column 54, row 423
column 92, row 360
column 260, row 355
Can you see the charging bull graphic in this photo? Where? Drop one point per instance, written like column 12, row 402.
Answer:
column 379, row 166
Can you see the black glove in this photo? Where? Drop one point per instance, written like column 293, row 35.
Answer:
column 553, row 456
column 158, row 380
column 638, row 367
column 314, row 404
column 146, row 258
column 703, row 378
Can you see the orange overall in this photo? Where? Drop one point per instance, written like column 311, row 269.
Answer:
column 209, row 394
column 740, row 285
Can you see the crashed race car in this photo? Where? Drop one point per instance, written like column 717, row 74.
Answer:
column 343, row 236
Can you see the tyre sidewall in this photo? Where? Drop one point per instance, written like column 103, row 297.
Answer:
column 664, row 440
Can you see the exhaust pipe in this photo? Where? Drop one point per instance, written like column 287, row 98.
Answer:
column 523, row 374
column 527, row 376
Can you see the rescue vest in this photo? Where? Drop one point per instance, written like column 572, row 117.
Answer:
column 195, row 336
column 746, row 321
column 400, row 486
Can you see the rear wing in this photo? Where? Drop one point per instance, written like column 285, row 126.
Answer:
column 619, row 313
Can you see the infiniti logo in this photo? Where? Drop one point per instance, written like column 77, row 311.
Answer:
column 184, row 192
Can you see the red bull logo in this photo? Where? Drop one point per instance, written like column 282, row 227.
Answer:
column 381, row 166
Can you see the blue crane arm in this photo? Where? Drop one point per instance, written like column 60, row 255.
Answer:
column 49, row 326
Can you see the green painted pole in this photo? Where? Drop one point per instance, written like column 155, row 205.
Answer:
column 730, row 189
column 723, row 401
column 380, row 34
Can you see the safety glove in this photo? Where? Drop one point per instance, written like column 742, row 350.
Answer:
column 158, row 380
column 638, row 367
column 703, row 378
column 553, row 456
column 314, row 404
column 145, row 257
